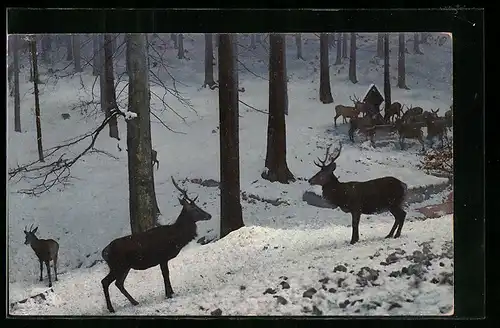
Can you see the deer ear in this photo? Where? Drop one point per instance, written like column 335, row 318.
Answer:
column 35, row 230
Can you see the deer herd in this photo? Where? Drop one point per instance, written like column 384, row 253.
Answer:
column 160, row 244
column 407, row 124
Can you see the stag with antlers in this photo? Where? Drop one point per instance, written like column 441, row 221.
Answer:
column 45, row 249
column 361, row 197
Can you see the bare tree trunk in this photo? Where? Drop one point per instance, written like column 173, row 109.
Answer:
column 37, row 101
column 401, row 62
column 387, row 77
column 231, row 217
column 325, row 92
column 352, row 60
column 276, row 165
column 77, row 53
column 114, row 43
column 380, row 45
column 252, row 41
column 338, row 60
column 180, row 52
column 69, row 47
column 143, row 212
column 344, row 45
column 416, row 44
column 298, row 42
column 15, row 72
column 108, row 79
column 216, row 40
column 96, row 51
column 209, row 61
column 173, row 37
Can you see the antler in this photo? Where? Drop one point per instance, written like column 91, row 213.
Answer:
column 183, row 191
column 323, row 161
column 337, row 154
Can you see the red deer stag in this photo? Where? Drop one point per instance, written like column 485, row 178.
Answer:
column 361, row 197
column 45, row 249
column 150, row 248
column 345, row 112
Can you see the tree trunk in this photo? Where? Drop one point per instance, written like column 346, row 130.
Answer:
column 180, row 52
column 352, row 60
column 344, row 45
column 276, row 165
column 209, row 61
column 114, row 43
column 298, row 42
column 173, row 37
column 331, row 40
column 252, row 41
column 401, row 62
column 231, row 217
column 109, row 93
column 387, row 78
column 423, row 37
column 15, row 72
column 380, row 45
column 37, row 101
column 258, row 38
column 325, row 92
column 338, row 60
column 416, row 44
column 69, row 47
column 95, row 59
column 77, row 53
column 143, row 211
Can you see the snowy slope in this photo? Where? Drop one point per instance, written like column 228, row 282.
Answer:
column 253, row 259
column 86, row 215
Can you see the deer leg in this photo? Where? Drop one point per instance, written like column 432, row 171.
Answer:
column 105, row 286
column 401, row 143
column 120, row 280
column 47, row 264
column 355, row 227
column 422, row 143
column 335, row 119
column 401, row 221
column 166, row 279
column 41, row 270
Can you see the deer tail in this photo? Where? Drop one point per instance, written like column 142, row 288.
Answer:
column 105, row 253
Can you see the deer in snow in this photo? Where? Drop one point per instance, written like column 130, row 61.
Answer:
column 150, row 248
column 361, row 197
column 45, row 249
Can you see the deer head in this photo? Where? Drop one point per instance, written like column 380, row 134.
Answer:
column 327, row 167
column 435, row 112
column 189, row 207
column 30, row 235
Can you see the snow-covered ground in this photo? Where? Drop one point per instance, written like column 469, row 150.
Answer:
column 86, row 215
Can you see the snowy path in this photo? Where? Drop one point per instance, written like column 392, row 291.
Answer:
column 233, row 274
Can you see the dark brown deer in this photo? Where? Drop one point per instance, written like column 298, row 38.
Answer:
column 412, row 111
column 449, row 117
column 45, row 249
column 345, row 112
column 361, row 197
column 363, row 107
column 436, row 127
column 150, row 248
column 409, row 131
column 394, row 110
column 366, row 125
column 154, row 159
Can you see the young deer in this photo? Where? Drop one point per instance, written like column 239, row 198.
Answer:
column 361, row 197
column 150, row 248
column 45, row 249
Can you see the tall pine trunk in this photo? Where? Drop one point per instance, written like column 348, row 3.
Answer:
column 209, row 61
column 380, row 45
column 344, row 45
column 416, row 44
column 325, row 92
column 338, row 60
column 352, row 60
column 252, row 41
column 231, row 218
column 387, row 77
column 77, row 53
column 142, row 202
column 108, row 78
column 37, row 101
column 276, row 165
column 401, row 62
column 180, row 50
column 15, row 72
column 69, row 47
column 298, row 42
